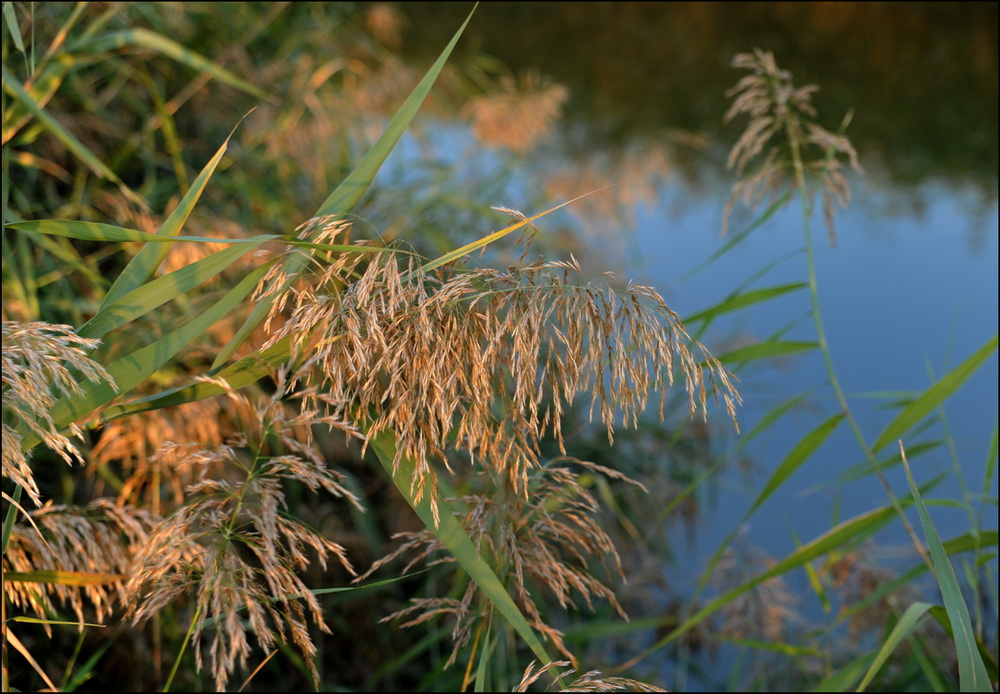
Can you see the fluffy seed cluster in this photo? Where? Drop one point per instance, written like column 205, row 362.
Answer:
column 96, row 542
column 233, row 546
column 548, row 540
column 777, row 109
column 483, row 361
column 39, row 360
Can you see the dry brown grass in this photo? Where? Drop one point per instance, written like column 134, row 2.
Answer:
column 39, row 360
column 481, row 360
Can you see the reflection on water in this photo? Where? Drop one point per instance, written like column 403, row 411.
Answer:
column 922, row 78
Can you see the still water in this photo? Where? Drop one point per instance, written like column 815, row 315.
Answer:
column 633, row 96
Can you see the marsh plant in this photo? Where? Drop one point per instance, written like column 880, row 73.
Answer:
column 246, row 414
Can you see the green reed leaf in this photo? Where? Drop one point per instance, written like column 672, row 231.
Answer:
column 453, row 537
column 935, row 395
column 16, row 90
column 144, row 38
column 745, row 299
column 244, row 372
column 135, row 368
column 766, row 350
column 803, row 449
column 36, row 620
column 971, row 671
column 906, row 624
column 145, row 262
column 161, row 290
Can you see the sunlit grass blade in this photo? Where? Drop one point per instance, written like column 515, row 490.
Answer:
column 247, row 370
column 35, row 620
column 934, row 396
column 453, row 537
column 133, row 369
column 145, row 262
column 144, row 38
column 745, row 299
column 971, row 671
column 65, row 578
column 149, row 296
column 766, row 350
column 15, row 89
column 903, row 628
column 346, row 195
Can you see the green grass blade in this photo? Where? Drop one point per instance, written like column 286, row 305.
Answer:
column 452, row 536
column 145, row 262
column 737, row 238
column 766, row 350
column 903, row 627
column 161, row 290
column 346, row 195
column 144, row 38
column 11, row 25
column 744, row 299
column 934, row 396
column 65, row 578
column 247, row 370
column 15, row 89
column 971, row 671
column 130, row 371
column 803, row 449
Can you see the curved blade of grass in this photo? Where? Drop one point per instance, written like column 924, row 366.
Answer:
column 935, row 395
column 766, row 350
column 133, row 369
column 346, row 195
column 145, row 262
column 247, row 370
column 803, row 449
column 903, row 627
column 452, row 536
column 65, row 578
column 15, row 89
column 36, row 620
column 11, row 25
column 971, row 671
column 161, row 290
column 744, row 299
column 798, row 455
column 144, row 38
column 737, row 238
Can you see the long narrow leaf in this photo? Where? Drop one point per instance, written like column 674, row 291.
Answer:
column 13, row 86
column 145, row 262
column 971, row 671
column 161, row 290
column 803, row 449
column 744, row 299
column 935, row 395
column 766, row 350
column 144, row 38
column 903, row 627
column 130, row 371
column 452, row 536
